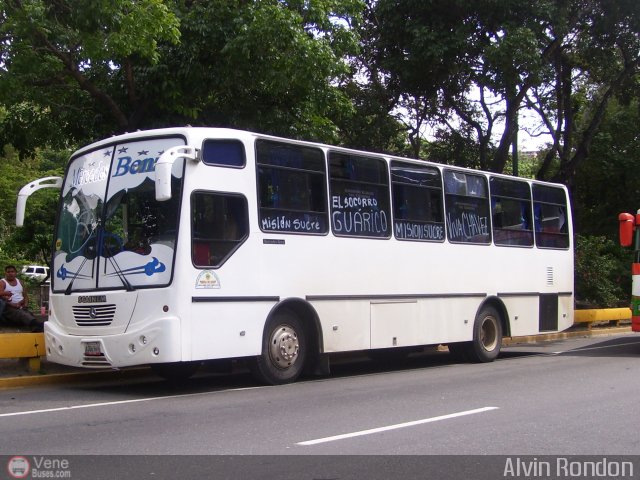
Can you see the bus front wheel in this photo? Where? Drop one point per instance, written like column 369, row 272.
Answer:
column 283, row 350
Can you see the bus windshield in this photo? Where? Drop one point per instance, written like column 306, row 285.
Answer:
column 112, row 233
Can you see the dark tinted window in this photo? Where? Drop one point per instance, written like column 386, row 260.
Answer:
column 292, row 188
column 227, row 153
column 511, row 212
column 551, row 217
column 219, row 225
column 467, row 207
column 417, row 202
column 359, row 196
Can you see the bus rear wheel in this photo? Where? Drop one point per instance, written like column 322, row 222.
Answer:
column 284, row 350
column 487, row 336
column 487, row 339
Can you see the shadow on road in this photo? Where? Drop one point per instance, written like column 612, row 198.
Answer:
column 356, row 364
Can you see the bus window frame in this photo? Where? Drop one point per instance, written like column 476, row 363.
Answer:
column 238, row 243
column 511, row 199
column 548, row 235
column 224, row 165
column 260, row 209
column 393, row 164
column 387, row 186
column 486, row 199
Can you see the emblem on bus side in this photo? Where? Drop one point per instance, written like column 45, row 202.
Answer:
column 207, row 279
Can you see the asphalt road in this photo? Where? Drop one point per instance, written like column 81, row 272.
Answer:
column 568, row 397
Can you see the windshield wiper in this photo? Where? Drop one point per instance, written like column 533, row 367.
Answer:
column 89, row 251
column 116, row 268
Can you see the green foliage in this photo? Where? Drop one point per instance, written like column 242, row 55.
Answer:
column 608, row 182
column 602, row 272
column 80, row 74
column 32, row 242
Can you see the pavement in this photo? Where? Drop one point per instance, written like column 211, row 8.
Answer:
column 15, row 373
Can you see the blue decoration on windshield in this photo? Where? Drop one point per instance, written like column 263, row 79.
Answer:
column 63, row 274
column 149, row 269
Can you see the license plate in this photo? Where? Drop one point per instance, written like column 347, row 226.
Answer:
column 92, row 349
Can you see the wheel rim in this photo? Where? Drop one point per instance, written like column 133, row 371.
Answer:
column 284, row 347
column 489, row 334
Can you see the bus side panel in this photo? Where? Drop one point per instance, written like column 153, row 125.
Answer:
column 565, row 312
column 449, row 319
column 523, row 314
column 345, row 324
column 395, row 324
column 227, row 329
column 349, row 325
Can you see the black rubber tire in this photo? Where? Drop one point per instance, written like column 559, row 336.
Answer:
column 487, row 336
column 284, row 350
column 175, row 372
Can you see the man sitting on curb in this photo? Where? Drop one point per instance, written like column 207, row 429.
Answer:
column 15, row 300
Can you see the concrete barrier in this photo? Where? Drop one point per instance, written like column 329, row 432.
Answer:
column 611, row 315
column 23, row 345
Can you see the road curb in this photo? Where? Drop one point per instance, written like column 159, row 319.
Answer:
column 549, row 337
column 70, row 377
column 95, row 375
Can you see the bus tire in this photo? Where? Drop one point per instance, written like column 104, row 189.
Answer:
column 175, row 372
column 487, row 336
column 284, row 350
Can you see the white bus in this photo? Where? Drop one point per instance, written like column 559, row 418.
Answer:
column 181, row 245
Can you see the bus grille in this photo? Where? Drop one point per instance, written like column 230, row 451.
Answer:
column 95, row 362
column 94, row 315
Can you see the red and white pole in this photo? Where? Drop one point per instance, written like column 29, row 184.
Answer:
column 629, row 232
column 635, row 280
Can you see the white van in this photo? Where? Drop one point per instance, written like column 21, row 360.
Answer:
column 37, row 272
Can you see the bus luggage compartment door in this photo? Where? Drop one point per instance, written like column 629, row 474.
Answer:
column 395, row 324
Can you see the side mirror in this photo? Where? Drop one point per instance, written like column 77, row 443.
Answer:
column 164, row 166
column 627, row 227
column 29, row 189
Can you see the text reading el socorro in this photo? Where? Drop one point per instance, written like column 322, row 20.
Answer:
column 358, row 213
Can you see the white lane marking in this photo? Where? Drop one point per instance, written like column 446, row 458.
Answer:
column 120, row 402
column 394, row 427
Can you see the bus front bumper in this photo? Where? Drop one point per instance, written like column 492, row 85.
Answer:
column 156, row 342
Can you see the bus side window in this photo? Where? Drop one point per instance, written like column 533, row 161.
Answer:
column 550, row 207
column 292, row 188
column 360, row 205
column 511, row 212
column 417, row 202
column 219, row 225
column 467, row 207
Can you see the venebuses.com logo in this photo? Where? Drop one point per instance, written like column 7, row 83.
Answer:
column 38, row 467
column 18, row 467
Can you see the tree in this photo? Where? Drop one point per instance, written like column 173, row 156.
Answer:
column 598, row 60
column 473, row 67
column 269, row 65
column 61, row 62
column 33, row 241
column 434, row 54
column 608, row 180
